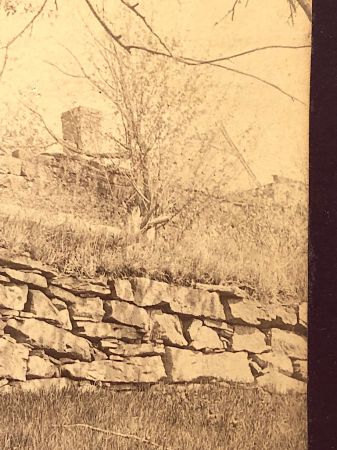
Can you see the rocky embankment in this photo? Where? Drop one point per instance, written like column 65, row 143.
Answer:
column 56, row 328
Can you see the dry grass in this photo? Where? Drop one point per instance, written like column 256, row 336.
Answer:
column 261, row 248
column 210, row 418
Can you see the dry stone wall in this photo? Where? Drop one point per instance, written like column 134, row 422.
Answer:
column 56, row 328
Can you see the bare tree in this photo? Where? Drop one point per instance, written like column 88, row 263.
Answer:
column 158, row 106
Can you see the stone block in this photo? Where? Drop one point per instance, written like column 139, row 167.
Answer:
column 55, row 341
column 184, row 365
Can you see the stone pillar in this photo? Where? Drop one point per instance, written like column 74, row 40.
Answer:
column 82, row 127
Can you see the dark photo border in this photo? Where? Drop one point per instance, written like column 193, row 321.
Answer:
column 322, row 398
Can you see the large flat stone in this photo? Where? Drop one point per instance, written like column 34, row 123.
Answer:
column 13, row 296
column 23, row 262
column 87, row 288
column 127, row 314
column 186, row 365
column 108, row 330
column 55, row 341
column 34, row 280
column 250, row 312
column 132, row 370
column 277, row 383
column 13, row 360
column 249, row 339
column 289, row 343
column 183, row 300
column 167, row 328
column 87, row 309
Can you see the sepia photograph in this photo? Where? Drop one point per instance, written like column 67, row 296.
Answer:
column 154, row 224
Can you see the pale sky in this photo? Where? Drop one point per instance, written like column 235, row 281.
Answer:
column 268, row 127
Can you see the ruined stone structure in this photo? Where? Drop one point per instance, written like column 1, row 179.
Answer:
column 82, row 129
column 58, row 330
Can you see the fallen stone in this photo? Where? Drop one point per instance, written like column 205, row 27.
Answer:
column 108, row 330
column 13, row 296
column 13, row 360
column 273, row 361
column 122, row 289
column 277, row 383
column 127, row 314
column 202, row 337
column 33, row 280
column 186, row 365
column 55, row 341
column 42, row 307
column 300, row 370
column 147, row 369
column 256, row 368
column 40, row 367
column 87, row 288
column 288, row 343
column 249, row 339
column 167, row 328
column 87, row 309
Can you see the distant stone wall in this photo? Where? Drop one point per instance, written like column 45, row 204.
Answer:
column 120, row 332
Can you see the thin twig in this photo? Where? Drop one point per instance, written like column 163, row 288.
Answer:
column 114, row 433
column 148, row 26
column 11, row 41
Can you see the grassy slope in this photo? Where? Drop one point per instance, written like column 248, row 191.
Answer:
column 208, row 418
column 259, row 247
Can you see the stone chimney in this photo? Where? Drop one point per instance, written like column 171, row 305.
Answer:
column 82, row 128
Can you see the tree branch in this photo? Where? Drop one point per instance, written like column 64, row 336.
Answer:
column 148, row 26
column 187, row 60
column 18, row 35
column 114, row 433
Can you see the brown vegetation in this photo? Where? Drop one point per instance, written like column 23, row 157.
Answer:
column 210, row 418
